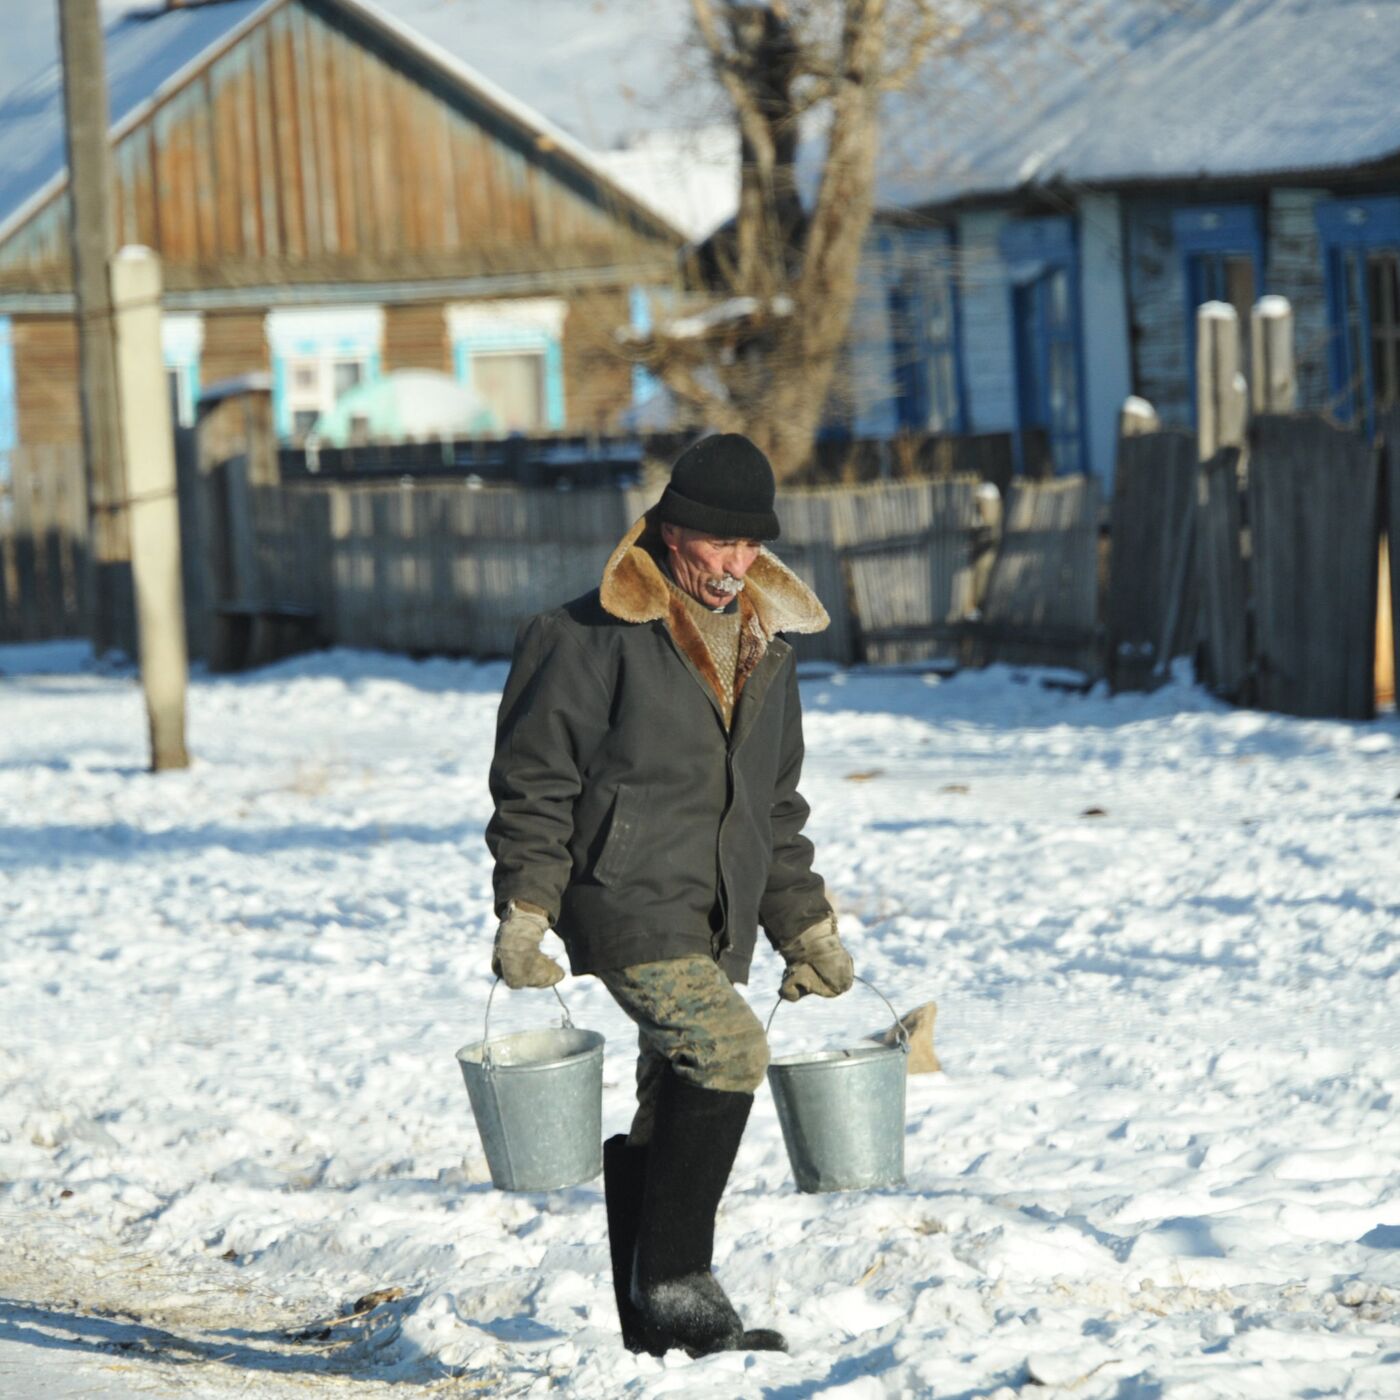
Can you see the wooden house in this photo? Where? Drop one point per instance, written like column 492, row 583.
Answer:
column 332, row 195
column 1052, row 216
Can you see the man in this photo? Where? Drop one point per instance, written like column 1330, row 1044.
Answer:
column 646, row 806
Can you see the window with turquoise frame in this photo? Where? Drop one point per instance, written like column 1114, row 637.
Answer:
column 182, row 342
column 644, row 384
column 512, row 354
column 1042, row 263
column 318, row 354
column 1221, row 248
column 1361, row 252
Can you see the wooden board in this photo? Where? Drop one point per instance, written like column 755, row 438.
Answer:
column 1222, row 586
column 44, row 585
column 1314, row 522
column 1151, row 594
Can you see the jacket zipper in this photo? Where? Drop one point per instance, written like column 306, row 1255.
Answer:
column 720, row 943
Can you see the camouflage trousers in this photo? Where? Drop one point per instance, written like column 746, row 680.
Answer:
column 690, row 1017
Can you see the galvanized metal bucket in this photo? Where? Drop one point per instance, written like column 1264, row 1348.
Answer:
column 537, row 1097
column 842, row 1112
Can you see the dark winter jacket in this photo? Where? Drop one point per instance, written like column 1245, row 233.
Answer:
column 623, row 806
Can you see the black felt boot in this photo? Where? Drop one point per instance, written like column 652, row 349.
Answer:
column 674, row 1294
column 624, row 1174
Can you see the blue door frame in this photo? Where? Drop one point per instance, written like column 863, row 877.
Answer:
column 1042, row 260
column 1350, row 230
column 1202, row 234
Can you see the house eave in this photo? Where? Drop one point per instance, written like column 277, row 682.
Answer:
column 19, row 302
column 1062, row 192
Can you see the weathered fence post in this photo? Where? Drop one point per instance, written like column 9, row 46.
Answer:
column 236, row 447
column 1221, row 401
column 1275, row 382
column 148, row 443
column 1151, row 613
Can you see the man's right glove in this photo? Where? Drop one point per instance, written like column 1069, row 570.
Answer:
column 516, row 958
column 817, row 961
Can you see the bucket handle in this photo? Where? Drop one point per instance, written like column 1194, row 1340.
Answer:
column 903, row 1036
column 566, row 1022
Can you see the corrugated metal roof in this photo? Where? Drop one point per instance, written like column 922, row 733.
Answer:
column 144, row 55
column 1137, row 90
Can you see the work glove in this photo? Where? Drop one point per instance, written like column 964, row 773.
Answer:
column 817, row 961
column 516, row 958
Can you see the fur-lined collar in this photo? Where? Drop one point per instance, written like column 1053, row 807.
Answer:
column 635, row 590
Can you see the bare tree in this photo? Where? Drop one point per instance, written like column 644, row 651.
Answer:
column 763, row 357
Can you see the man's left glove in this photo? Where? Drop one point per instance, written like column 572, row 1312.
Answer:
column 516, row 958
column 817, row 961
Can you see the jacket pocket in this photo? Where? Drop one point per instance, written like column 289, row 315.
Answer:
column 622, row 835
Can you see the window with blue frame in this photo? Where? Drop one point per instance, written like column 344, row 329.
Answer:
column 1042, row 262
column 1222, row 259
column 922, row 308
column 1361, row 249
column 511, row 353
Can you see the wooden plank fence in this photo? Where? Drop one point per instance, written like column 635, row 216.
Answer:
column 1151, row 612
column 1314, row 533
column 883, row 558
column 43, row 545
column 912, row 589
column 1041, row 606
column 433, row 567
column 454, row 568
column 1285, row 572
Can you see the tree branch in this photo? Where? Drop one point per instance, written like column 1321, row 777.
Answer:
column 930, row 23
column 726, row 66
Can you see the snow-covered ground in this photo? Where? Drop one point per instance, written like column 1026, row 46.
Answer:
column 1163, row 1159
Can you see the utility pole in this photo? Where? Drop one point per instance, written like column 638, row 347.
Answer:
column 94, row 242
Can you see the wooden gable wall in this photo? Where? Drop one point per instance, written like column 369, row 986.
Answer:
column 316, row 150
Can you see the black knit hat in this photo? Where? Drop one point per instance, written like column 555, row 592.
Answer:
column 722, row 485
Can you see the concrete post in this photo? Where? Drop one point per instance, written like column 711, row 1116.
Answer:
column 149, row 448
column 1137, row 417
column 1275, row 388
column 1221, row 397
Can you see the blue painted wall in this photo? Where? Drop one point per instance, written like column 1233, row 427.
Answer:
column 986, row 340
column 9, row 422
